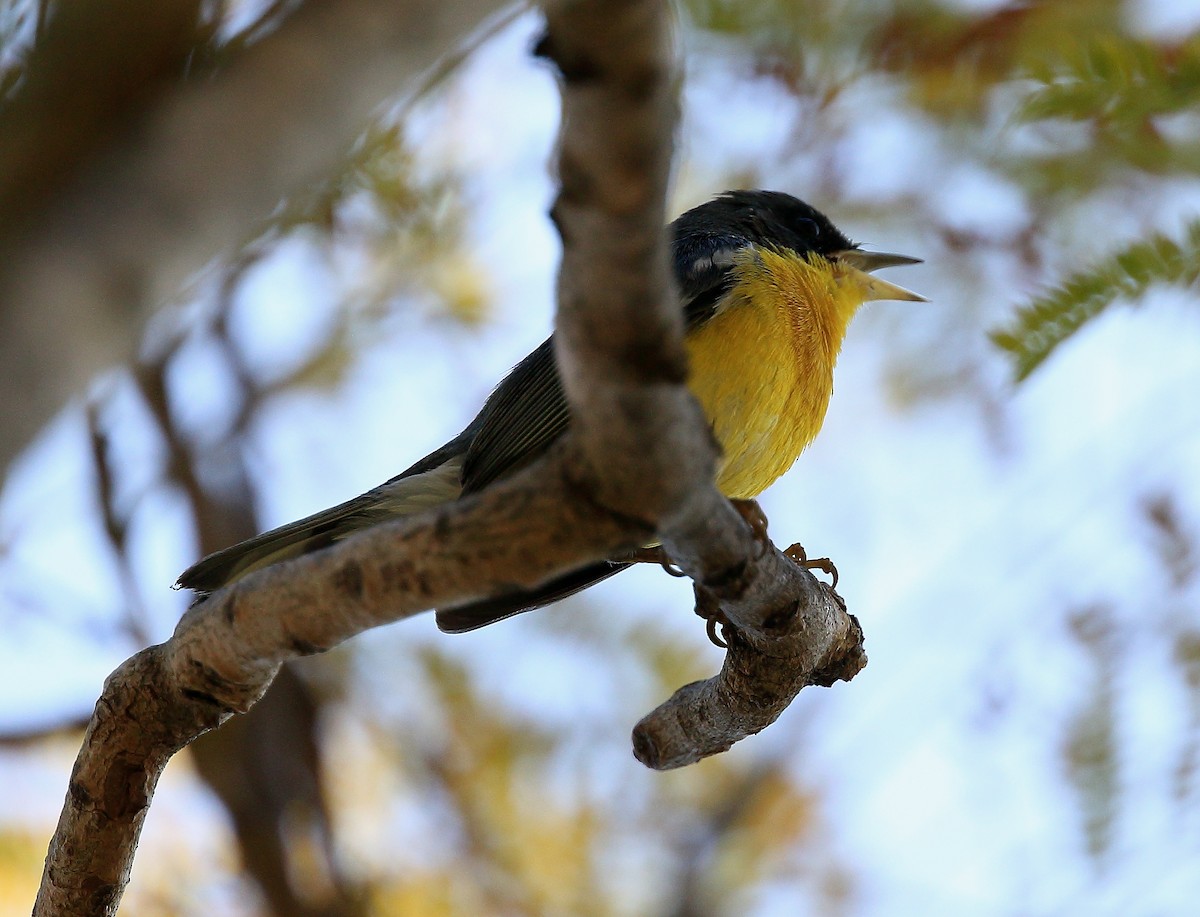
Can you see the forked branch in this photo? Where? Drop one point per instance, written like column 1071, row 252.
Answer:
column 638, row 464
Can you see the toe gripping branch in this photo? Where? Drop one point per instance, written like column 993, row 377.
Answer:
column 708, row 606
column 810, row 640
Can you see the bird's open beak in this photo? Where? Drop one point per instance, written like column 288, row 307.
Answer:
column 862, row 263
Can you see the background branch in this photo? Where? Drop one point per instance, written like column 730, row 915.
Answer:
column 197, row 169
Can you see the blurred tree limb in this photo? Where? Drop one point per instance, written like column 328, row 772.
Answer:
column 637, row 464
column 174, row 176
column 96, row 67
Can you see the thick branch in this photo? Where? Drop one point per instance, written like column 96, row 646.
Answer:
column 622, row 361
column 226, row 650
column 619, row 328
column 786, row 631
column 97, row 65
column 620, row 332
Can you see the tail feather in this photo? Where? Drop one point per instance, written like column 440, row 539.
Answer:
column 284, row 543
column 434, row 480
column 463, row 618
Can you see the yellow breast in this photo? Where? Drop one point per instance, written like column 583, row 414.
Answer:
column 762, row 368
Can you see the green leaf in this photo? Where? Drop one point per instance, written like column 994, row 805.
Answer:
column 1116, row 80
column 1042, row 325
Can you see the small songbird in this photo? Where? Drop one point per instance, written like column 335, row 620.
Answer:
column 768, row 287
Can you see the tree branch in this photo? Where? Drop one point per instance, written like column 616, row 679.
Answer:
column 638, row 464
column 642, row 436
column 226, row 650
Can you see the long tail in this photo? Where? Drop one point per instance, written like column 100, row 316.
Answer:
column 463, row 618
column 434, row 480
column 310, row 534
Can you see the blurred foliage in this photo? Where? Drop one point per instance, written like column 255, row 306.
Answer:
column 21, row 855
column 1122, row 86
column 1187, row 659
column 518, row 828
column 1088, row 105
column 953, row 58
column 1054, row 317
column 1178, row 552
column 1090, row 751
column 1138, row 101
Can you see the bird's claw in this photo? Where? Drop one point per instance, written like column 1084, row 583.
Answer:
column 752, row 514
column 709, row 608
column 797, row 554
column 656, row 555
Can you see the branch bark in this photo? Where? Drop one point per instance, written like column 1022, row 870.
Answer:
column 264, row 767
column 226, row 650
column 643, row 443
column 638, row 464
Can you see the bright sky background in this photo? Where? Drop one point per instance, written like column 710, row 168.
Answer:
column 964, row 526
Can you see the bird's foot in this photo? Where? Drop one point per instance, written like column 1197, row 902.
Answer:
column 655, row 555
column 752, row 514
column 824, row 564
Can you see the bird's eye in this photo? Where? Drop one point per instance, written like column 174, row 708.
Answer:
column 808, row 227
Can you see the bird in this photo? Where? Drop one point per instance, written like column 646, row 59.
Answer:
column 767, row 285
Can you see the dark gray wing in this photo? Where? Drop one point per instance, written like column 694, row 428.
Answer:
column 528, row 411
column 524, row 415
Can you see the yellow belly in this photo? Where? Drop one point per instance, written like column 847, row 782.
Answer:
column 762, row 369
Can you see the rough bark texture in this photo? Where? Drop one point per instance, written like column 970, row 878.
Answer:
column 623, row 366
column 637, row 464
column 803, row 638
column 226, row 650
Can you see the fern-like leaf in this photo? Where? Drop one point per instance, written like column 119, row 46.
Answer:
column 1116, row 80
column 1038, row 328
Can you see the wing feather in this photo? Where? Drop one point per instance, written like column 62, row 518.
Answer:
column 528, row 411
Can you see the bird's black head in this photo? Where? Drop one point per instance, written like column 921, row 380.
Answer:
column 706, row 236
